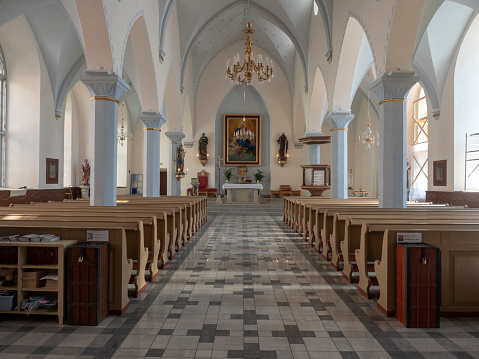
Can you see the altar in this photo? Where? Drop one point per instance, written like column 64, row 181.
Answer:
column 242, row 191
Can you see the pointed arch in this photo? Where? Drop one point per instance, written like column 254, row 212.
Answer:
column 165, row 17
column 319, row 103
column 145, row 67
column 95, row 34
column 405, row 26
column 172, row 102
column 187, row 119
column 353, row 36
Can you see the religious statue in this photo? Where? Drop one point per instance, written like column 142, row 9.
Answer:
column 283, row 145
column 202, row 146
column 85, row 172
column 203, row 149
column 180, row 159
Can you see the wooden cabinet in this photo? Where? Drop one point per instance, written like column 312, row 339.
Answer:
column 30, row 256
column 418, row 285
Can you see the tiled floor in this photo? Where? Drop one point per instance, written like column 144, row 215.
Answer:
column 244, row 287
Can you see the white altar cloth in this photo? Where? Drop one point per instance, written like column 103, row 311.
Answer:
column 242, row 191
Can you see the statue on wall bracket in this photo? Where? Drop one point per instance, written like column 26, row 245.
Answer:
column 203, row 149
column 283, row 149
column 180, row 163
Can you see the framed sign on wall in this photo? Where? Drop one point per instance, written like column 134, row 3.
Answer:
column 242, row 140
column 52, row 171
column 439, row 173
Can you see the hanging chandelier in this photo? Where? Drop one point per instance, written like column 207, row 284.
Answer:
column 369, row 137
column 244, row 72
column 122, row 135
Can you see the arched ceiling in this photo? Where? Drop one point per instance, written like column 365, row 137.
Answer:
column 228, row 28
column 282, row 29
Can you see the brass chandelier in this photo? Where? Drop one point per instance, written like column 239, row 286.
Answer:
column 244, row 72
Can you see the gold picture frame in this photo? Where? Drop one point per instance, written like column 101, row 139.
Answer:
column 242, row 140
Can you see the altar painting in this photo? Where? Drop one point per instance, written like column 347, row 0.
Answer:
column 242, row 140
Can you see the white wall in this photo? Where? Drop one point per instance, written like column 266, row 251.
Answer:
column 466, row 88
column 23, row 113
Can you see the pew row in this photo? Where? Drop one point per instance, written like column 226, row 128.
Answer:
column 459, row 246
column 120, row 266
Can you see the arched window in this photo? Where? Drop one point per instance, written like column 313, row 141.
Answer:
column 3, row 114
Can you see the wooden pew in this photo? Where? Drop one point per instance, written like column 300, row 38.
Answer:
column 120, row 266
column 352, row 236
column 155, row 227
column 170, row 210
column 339, row 216
column 371, row 242
column 459, row 246
column 135, row 237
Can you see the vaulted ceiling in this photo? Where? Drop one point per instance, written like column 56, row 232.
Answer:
column 207, row 27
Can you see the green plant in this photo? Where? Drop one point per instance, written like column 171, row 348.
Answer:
column 228, row 173
column 259, row 175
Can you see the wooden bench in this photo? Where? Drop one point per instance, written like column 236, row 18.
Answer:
column 120, row 266
column 155, row 227
column 459, row 248
column 340, row 215
column 174, row 226
column 283, row 191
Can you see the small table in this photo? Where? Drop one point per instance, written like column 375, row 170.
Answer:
column 242, row 191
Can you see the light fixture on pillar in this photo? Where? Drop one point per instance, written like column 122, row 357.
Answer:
column 122, row 135
column 369, row 137
column 244, row 72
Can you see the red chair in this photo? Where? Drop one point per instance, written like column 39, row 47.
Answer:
column 203, row 188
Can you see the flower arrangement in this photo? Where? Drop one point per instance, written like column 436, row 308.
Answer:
column 259, row 175
column 228, row 174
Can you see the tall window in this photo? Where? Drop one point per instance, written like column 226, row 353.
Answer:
column 3, row 114
column 419, row 150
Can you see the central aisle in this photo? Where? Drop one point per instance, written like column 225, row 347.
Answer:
column 250, row 288
column 244, row 287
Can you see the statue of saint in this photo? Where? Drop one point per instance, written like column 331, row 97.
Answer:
column 180, row 159
column 283, row 145
column 85, row 172
column 202, row 146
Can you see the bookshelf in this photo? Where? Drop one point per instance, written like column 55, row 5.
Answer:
column 32, row 256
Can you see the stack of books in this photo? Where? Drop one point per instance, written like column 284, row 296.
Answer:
column 39, row 238
column 32, row 279
column 51, row 281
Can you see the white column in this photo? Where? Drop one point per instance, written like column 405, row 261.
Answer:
column 105, row 88
column 174, row 185
column 152, row 122
column 314, row 153
column 339, row 122
column 391, row 91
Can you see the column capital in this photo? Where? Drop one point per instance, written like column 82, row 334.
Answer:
column 339, row 120
column 175, row 136
column 394, row 86
column 104, row 85
column 151, row 120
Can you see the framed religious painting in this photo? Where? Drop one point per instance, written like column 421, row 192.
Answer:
column 52, row 171
column 439, row 169
column 242, row 140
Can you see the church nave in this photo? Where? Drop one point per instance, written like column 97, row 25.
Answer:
column 245, row 286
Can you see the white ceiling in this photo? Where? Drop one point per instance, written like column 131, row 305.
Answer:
column 208, row 26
